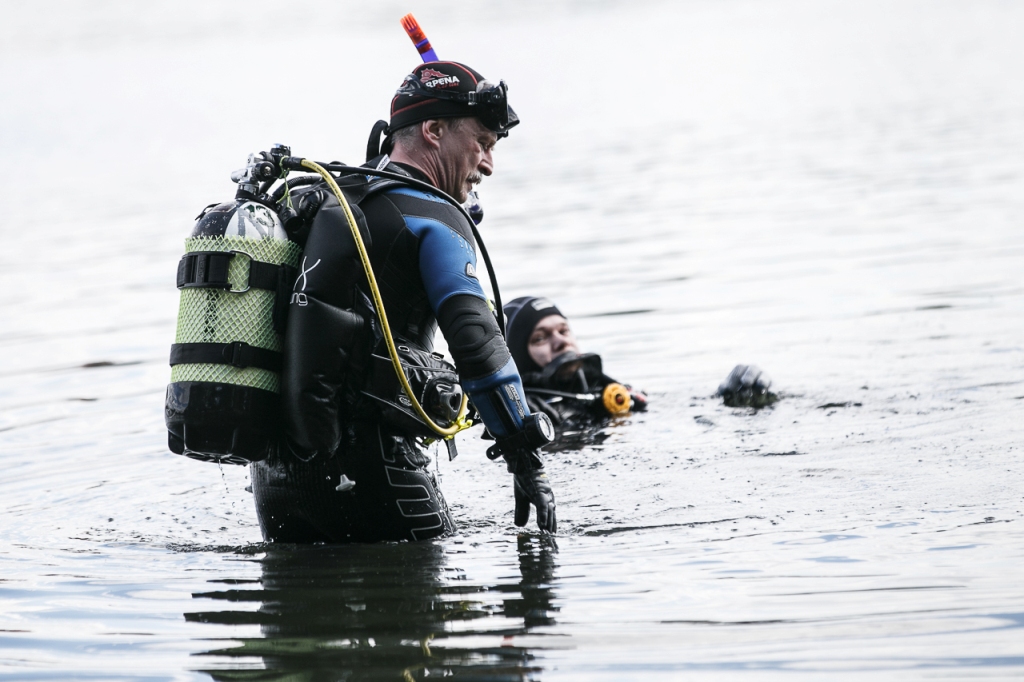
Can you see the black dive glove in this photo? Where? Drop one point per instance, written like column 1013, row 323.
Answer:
column 532, row 488
column 521, row 453
column 747, row 386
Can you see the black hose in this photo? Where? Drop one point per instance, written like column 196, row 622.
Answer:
column 295, row 163
column 292, row 184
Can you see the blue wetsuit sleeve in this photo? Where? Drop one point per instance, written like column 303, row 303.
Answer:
column 500, row 400
column 448, row 268
column 447, row 261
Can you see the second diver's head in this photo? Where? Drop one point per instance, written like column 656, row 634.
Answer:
column 445, row 120
column 537, row 333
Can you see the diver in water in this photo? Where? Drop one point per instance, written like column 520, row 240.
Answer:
column 567, row 385
column 344, row 472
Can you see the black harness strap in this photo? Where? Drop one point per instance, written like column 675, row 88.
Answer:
column 237, row 353
column 209, row 270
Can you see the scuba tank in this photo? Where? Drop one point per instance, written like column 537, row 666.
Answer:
column 236, row 276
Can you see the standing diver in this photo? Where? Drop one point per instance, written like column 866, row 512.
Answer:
column 445, row 121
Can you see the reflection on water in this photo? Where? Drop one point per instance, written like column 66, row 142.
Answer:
column 368, row 612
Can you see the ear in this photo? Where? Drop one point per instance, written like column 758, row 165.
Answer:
column 433, row 130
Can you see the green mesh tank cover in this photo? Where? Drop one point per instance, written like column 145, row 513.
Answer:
column 216, row 316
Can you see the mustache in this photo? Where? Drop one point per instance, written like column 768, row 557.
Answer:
column 475, row 178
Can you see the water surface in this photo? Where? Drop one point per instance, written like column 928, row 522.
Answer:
column 830, row 190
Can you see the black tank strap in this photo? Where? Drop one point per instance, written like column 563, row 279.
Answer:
column 209, row 270
column 237, row 353
column 204, row 269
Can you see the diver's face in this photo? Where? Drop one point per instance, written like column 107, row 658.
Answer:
column 467, row 156
column 550, row 338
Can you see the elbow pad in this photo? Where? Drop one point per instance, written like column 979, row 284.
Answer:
column 485, row 366
column 473, row 337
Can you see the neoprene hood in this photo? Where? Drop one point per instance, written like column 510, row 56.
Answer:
column 451, row 90
column 523, row 314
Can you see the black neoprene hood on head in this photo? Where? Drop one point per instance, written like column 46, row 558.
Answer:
column 442, row 78
column 523, row 314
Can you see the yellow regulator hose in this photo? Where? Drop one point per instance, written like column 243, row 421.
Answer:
column 461, row 422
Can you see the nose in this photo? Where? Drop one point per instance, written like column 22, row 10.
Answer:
column 486, row 165
column 559, row 339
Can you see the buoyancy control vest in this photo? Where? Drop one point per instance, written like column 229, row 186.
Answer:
column 338, row 367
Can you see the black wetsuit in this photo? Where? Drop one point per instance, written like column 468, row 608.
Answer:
column 424, row 259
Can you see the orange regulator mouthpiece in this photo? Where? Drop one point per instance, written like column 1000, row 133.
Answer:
column 616, row 399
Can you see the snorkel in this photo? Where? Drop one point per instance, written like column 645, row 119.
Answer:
column 418, row 38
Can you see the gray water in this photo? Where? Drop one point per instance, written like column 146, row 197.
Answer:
column 831, row 190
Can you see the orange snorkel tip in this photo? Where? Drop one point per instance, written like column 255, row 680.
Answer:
column 418, row 38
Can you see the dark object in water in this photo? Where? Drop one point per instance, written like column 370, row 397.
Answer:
column 829, row 406
column 747, row 386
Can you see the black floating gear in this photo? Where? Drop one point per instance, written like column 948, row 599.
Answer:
column 237, row 354
column 747, row 386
